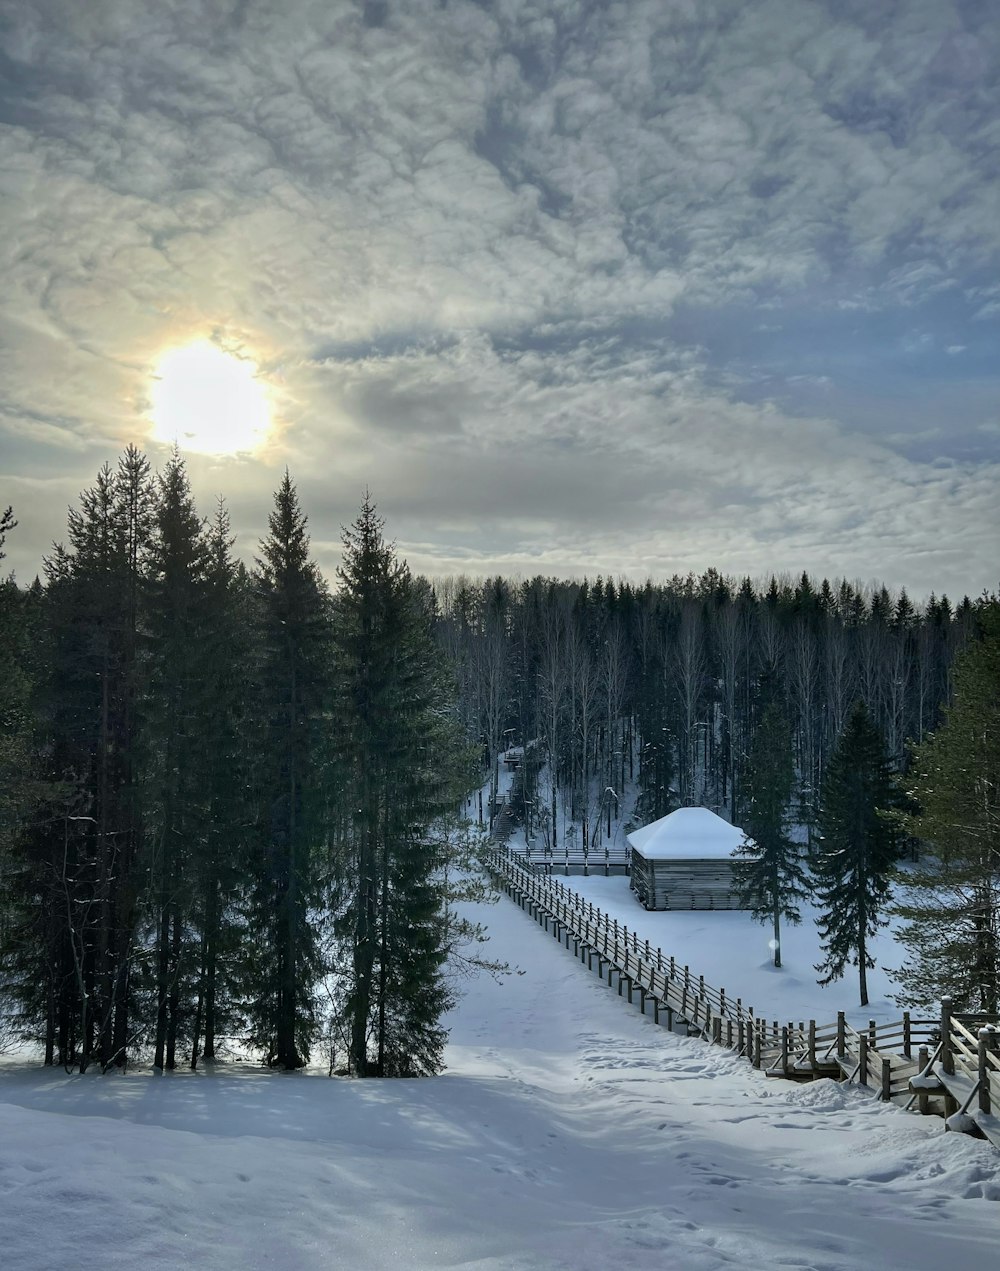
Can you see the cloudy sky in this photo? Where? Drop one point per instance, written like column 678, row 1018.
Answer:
column 573, row 286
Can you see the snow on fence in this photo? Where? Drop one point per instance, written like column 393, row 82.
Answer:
column 948, row 1066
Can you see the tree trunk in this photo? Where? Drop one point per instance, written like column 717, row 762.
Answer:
column 162, row 979
column 173, row 1001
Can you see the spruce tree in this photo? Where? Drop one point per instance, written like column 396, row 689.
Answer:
column 229, row 762
column 81, row 858
column 293, row 678
column 404, row 768
column 951, row 900
column 20, row 792
column 858, row 849
column 769, row 876
column 177, row 712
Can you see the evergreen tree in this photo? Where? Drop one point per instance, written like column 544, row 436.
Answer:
column 294, row 674
column 231, row 801
column 858, row 848
column 951, row 900
column 19, row 792
column 81, row 860
column 405, row 769
column 178, row 710
column 770, row 878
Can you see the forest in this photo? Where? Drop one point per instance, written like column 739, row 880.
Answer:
column 228, row 794
column 238, row 804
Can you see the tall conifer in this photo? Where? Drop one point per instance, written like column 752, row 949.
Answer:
column 178, row 709
column 405, row 768
column 770, row 877
column 229, row 763
column 858, row 849
column 951, row 900
column 294, row 671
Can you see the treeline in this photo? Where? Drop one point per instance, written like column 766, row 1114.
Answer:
column 636, row 700
column 226, row 795
column 841, row 727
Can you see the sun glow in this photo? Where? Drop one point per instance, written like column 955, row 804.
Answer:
column 209, row 401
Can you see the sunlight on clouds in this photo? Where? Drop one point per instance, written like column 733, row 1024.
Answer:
column 208, row 401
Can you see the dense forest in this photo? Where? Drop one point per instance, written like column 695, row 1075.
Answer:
column 659, row 690
column 237, row 804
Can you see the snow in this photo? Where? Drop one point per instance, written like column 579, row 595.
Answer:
column 568, row 1132
column 687, row 834
column 733, row 952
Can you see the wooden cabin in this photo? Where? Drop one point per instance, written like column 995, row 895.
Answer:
column 685, row 861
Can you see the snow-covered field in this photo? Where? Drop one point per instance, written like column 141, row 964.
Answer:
column 568, row 1132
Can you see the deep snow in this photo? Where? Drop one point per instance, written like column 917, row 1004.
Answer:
column 568, row 1132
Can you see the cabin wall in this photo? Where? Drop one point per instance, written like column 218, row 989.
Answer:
column 680, row 884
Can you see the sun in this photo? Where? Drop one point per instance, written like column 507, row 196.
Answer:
column 208, row 401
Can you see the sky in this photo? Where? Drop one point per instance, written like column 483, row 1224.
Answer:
column 568, row 1131
column 574, row 288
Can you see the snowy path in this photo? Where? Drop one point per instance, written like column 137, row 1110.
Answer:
column 569, row 1132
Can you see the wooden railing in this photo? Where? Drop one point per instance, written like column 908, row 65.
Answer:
column 604, row 859
column 941, row 1065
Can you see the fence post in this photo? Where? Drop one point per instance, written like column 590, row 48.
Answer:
column 862, row 1059
column 812, row 1045
column 907, row 1040
column 922, row 1066
column 872, row 1039
column 947, row 1054
column 757, row 1025
column 841, row 1033
column 784, row 1049
column 717, row 1030
column 886, row 1079
column 985, row 1038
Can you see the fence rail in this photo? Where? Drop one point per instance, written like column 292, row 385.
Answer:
column 949, row 1065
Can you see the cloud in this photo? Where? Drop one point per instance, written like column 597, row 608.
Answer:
column 462, row 242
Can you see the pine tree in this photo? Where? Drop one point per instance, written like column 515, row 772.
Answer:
column 178, row 674
column 951, row 900
column 231, row 804
column 81, row 859
column 293, row 678
column 770, row 878
column 405, row 768
column 858, row 848
column 20, row 793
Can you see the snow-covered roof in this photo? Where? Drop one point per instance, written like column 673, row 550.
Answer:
column 687, row 834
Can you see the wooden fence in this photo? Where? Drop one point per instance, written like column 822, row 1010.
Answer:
column 948, row 1066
